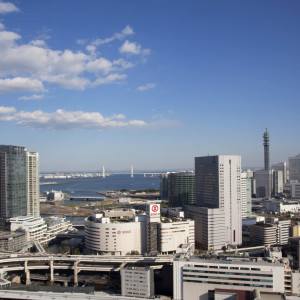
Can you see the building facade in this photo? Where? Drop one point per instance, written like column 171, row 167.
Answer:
column 181, row 189
column 19, row 183
column 218, row 186
column 264, row 180
column 173, row 234
column 105, row 236
column 194, row 277
column 294, row 168
column 281, row 167
column 137, row 282
column 246, row 196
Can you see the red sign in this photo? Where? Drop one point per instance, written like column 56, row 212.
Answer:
column 155, row 208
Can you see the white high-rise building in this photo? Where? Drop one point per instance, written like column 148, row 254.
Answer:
column 33, row 184
column 246, row 196
column 218, row 185
column 294, row 168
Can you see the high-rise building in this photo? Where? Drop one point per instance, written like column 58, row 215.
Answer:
column 218, row 185
column 264, row 180
column 19, row 183
column 266, row 137
column 277, row 183
column 294, row 168
column 281, row 167
column 181, row 189
column 246, row 196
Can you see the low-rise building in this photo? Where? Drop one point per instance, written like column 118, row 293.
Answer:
column 274, row 232
column 137, row 282
column 194, row 277
column 172, row 234
column 114, row 237
column 279, row 206
column 34, row 228
column 12, row 241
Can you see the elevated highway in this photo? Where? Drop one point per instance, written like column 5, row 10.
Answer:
column 77, row 263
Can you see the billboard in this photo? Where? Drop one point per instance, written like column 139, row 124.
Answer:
column 153, row 210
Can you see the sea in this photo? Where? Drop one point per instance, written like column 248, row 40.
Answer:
column 86, row 187
column 89, row 187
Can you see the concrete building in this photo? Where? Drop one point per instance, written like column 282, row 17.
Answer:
column 279, row 206
column 152, row 222
column 137, row 282
column 296, row 230
column 246, row 196
column 209, row 227
column 173, row 234
column 34, row 228
column 293, row 189
column 118, row 213
column 293, row 251
column 266, row 138
column 54, row 195
column 19, row 183
column 12, row 241
column 194, row 277
column 281, row 167
column 181, row 189
column 105, row 236
column 277, row 188
column 218, row 186
column 264, row 180
column 273, row 233
column 294, row 168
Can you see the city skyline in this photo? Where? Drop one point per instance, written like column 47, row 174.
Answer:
column 149, row 84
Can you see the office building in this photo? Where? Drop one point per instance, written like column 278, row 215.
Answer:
column 12, row 241
column 294, row 168
column 172, row 234
column 137, row 281
column 281, row 167
column 181, row 189
column 19, row 183
column 274, row 232
column 152, row 221
column 277, row 183
column 218, row 186
column 279, row 206
column 264, row 180
column 163, row 186
column 209, row 227
column 246, row 196
column 194, row 277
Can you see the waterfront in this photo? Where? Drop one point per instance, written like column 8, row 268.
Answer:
column 90, row 186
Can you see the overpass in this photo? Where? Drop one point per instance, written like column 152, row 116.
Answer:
column 76, row 263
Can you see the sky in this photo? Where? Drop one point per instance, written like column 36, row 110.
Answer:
column 153, row 84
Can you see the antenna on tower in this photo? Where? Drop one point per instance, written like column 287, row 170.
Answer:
column 131, row 172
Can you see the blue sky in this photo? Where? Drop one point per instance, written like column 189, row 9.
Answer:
column 149, row 83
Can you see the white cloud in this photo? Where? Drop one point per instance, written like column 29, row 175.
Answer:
column 31, row 97
column 65, row 68
column 7, row 7
column 129, row 47
column 148, row 86
column 6, row 113
column 109, row 79
column 20, row 84
column 120, row 36
column 67, row 120
column 2, row 26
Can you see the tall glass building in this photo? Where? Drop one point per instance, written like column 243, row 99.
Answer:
column 181, row 189
column 19, row 183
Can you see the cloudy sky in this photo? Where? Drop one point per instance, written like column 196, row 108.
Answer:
column 149, row 83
